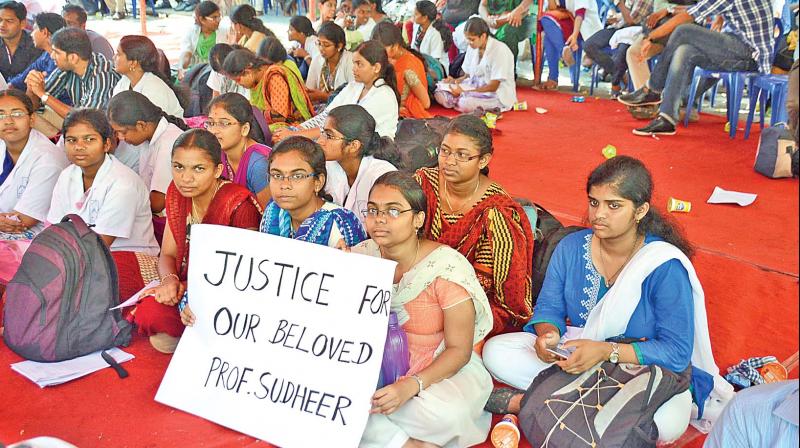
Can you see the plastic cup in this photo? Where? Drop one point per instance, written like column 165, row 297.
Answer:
column 522, row 105
column 774, row 372
column 610, row 151
column 505, row 433
column 677, row 205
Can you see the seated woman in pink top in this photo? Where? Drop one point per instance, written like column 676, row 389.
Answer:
column 442, row 308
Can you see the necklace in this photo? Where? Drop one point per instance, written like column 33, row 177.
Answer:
column 610, row 280
column 195, row 215
column 467, row 202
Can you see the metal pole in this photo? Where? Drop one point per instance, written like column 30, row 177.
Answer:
column 537, row 67
column 143, row 16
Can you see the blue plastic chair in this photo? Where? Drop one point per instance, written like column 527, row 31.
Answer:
column 763, row 89
column 734, row 84
column 575, row 70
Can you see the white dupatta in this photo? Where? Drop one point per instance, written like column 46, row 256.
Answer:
column 610, row 317
column 445, row 263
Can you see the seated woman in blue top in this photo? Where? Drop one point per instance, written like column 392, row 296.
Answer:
column 300, row 208
column 628, row 278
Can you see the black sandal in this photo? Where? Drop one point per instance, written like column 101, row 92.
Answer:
column 500, row 398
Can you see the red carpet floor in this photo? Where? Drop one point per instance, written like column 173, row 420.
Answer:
column 747, row 261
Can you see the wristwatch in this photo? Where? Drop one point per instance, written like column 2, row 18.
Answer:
column 614, row 356
column 45, row 97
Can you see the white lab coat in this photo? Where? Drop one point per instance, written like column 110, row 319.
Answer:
column 117, row 204
column 344, row 71
column 156, row 90
column 153, row 159
column 355, row 197
column 28, row 189
column 497, row 64
column 432, row 45
column 380, row 102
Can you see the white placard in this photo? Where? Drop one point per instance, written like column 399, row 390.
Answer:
column 288, row 339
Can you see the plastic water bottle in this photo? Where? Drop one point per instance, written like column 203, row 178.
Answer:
column 505, row 433
column 395, row 353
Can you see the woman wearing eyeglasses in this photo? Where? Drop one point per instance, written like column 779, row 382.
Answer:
column 198, row 195
column 204, row 34
column 244, row 156
column 146, row 135
column 332, row 67
column 356, row 155
column 444, row 312
column 300, row 208
column 474, row 215
column 29, row 167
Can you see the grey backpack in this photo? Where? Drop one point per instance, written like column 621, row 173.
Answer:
column 57, row 304
column 609, row 405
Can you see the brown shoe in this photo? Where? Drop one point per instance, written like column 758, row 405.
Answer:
column 164, row 343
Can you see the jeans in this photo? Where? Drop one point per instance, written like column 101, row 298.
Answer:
column 553, row 44
column 692, row 46
column 613, row 63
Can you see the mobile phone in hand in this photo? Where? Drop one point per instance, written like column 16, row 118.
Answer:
column 561, row 351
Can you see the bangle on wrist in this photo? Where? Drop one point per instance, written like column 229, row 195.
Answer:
column 44, row 98
column 164, row 278
column 419, row 383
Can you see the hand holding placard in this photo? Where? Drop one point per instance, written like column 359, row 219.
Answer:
column 287, row 336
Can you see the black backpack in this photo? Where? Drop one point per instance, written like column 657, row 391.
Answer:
column 418, row 142
column 547, row 232
column 196, row 82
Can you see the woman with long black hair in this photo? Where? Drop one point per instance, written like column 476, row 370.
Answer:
column 374, row 88
column 629, row 293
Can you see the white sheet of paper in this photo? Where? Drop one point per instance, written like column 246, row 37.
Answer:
column 52, row 373
column 135, row 298
column 721, row 196
column 448, row 86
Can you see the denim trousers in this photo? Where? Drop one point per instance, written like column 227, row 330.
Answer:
column 692, row 46
column 613, row 63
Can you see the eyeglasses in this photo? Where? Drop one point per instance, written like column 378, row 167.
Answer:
column 15, row 115
column 328, row 135
column 374, row 212
column 292, row 178
column 219, row 124
column 213, row 18
column 459, row 156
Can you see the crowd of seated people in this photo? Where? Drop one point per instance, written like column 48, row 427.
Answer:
column 299, row 143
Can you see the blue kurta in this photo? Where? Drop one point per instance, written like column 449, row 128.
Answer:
column 257, row 172
column 664, row 315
